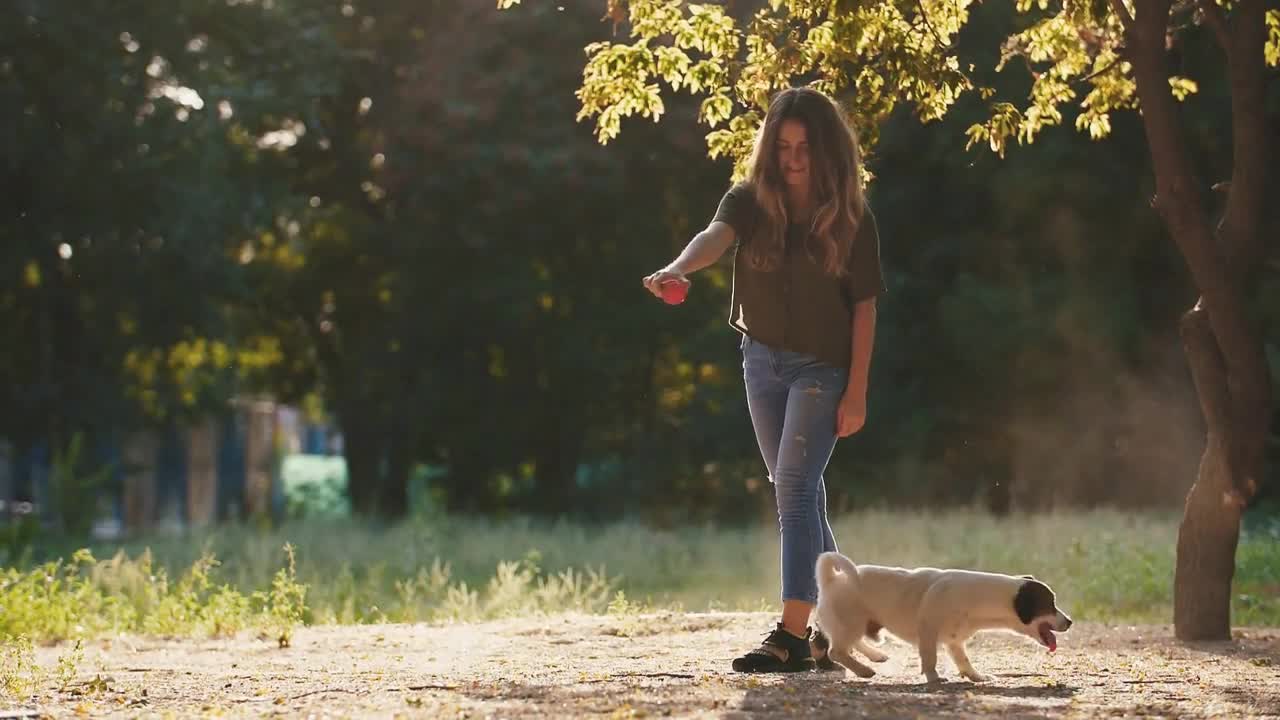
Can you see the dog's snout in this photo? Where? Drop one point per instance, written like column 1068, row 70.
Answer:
column 1064, row 622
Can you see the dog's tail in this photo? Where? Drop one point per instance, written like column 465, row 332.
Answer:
column 833, row 566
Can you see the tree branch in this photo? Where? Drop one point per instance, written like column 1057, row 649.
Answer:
column 1214, row 388
column 1101, row 71
column 1217, row 22
column 1251, row 138
column 1208, row 370
column 936, row 36
column 1123, row 13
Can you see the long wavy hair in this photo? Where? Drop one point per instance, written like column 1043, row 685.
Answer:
column 835, row 177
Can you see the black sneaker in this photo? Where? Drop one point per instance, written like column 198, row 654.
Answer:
column 820, row 647
column 794, row 649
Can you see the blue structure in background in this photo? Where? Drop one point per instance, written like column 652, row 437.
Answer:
column 171, row 474
column 30, row 470
column 315, row 440
column 31, row 473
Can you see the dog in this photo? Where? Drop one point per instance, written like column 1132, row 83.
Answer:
column 927, row 607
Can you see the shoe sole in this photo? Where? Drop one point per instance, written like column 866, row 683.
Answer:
column 808, row 667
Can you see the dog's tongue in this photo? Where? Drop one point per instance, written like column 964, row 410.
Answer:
column 1046, row 634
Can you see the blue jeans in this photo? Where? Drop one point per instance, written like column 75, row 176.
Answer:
column 793, row 399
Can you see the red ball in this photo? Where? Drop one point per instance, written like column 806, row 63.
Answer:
column 674, row 291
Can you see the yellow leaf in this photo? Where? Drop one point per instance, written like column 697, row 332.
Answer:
column 1272, row 50
column 1182, row 87
column 497, row 362
column 708, row 372
column 32, row 274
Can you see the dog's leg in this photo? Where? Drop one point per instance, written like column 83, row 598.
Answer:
column 956, row 650
column 844, row 658
column 927, row 644
column 872, row 654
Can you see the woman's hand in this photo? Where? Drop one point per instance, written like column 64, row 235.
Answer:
column 654, row 282
column 704, row 249
column 851, row 413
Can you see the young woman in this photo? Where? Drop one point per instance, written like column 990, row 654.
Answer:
column 806, row 274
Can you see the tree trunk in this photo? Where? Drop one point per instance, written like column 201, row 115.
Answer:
column 551, row 480
column 393, row 494
column 1210, row 528
column 377, row 467
column 558, row 452
column 202, row 472
column 259, row 457
column 1223, row 347
column 363, row 456
column 468, row 482
column 1206, row 552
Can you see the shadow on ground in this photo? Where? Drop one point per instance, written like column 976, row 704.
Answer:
column 807, row 695
column 854, row 698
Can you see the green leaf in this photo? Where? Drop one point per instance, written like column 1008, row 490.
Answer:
column 716, row 109
column 874, row 55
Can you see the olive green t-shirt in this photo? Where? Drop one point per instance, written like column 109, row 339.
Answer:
column 797, row 306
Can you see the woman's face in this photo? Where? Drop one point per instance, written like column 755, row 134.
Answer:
column 793, row 153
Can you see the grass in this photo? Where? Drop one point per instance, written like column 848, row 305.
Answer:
column 86, row 597
column 1106, row 566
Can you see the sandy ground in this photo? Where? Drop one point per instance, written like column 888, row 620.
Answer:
column 674, row 665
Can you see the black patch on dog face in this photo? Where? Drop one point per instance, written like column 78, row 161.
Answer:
column 1034, row 599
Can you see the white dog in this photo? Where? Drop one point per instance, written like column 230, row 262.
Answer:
column 927, row 607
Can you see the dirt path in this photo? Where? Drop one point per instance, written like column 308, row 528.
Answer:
column 651, row 666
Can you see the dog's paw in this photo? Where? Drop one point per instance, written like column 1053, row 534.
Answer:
column 876, row 656
column 933, row 678
column 977, row 677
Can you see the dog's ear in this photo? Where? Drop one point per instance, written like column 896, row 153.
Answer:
column 1034, row 599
